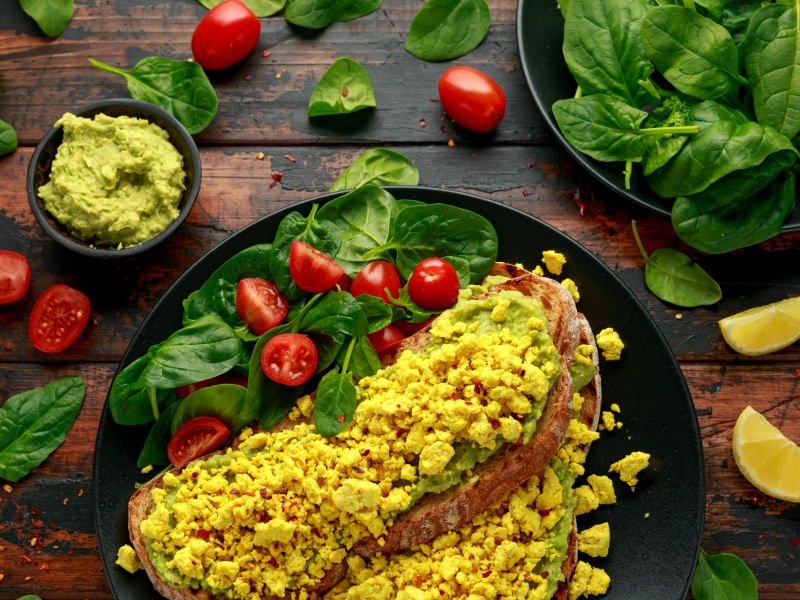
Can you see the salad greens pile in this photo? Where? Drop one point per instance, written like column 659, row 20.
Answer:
column 704, row 95
column 363, row 225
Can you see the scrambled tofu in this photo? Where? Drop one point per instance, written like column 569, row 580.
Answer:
column 615, row 408
column 595, row 540
column 609, row 422
column 603, row 487
column 630, row 466
column 610, row 343
column 570, row 286
column 587, row 581
column 553, row 261
column 537, row 270
column 127, row 559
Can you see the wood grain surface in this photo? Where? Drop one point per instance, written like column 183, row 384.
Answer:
column 519, row 165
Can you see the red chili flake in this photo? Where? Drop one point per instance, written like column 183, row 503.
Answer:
column 524, row 192
column 71, row 552
column 400, row 432
column 478, row 388
column 283, row 506
column 277, row 176
column 45, row 566
column 234, row 492
column 195, row 474
column 797, row 372
column 444, row 129
column 35, row 511
column 316, row 532
column 358, row 469
column 341, row 419
column 7, row 347
column 52, row 525
column 365, row 453
column 433, row 100
column 248, row 77
column 504, row 504
column 468, row 403
column 419, row 580
column 543, row 512
column 385, row 494
column 422, row 124
column 25, row 560
column 485, row 575
column 292, row 505
column 795, row 543
column 471, row 557
column 273, row 563
column 263, row 492
column 266, row 53
column 38, row 544
column 495, row 424
column 345, row 91
column 203, row 534
column 454, row 395
column 519, row 441
column 762, row 536
column 529, row 165
column 290, row 158
column 545, row 574
column 37, row 523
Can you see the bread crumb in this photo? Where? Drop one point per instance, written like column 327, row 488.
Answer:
column 65, row 501
column 7, row 488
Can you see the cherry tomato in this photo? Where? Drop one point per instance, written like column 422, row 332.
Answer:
column 434, row 284
column 385, row 339
column 196, row 438
column 227, row 34
column 343, row 285
column 471, row 98
column 375, row 278
column 260, row 305
column 412, row 328
column 289, row 358
column 313, row 271
column 234, row 379
column 15, row 276
column 57, row 319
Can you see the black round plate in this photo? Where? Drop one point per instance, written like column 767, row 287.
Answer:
column 540, row 36
column 651, row 558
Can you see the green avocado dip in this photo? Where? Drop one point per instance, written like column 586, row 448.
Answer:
column 115, row 181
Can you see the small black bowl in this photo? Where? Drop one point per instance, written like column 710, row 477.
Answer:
column 42, row 159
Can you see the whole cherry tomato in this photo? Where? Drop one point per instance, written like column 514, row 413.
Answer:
column 375, row 278
column 472, row 98
column 313, row 271
column 289, row 358
column 385, row 339
column 196, row 438
column 260, row 304
column 434, row 284
column 227, row 34
column 57, row 318
column 15, row 276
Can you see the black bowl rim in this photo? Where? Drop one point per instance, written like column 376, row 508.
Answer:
column 67, row 240
column 402, row 191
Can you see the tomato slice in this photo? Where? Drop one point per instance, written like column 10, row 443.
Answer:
column 15, row 276
column 196, row 438
column 385, row 339
column 375, row 278
column 260, row 304
column 57, row 319
column 289, row 358
column 434, row 284
column 227, row 34
column 412, row 328
column 313, row 271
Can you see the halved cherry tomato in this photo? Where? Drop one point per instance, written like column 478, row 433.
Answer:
column 289, row 358
column 472, row 98
column 313, row 271
column 375, row 278
column 434, row 284
column 196, row 438
column 385, row 339
column 57, row 319
column 227, row 34
column 412, row 328
column 260, row 304
column 15, row 276
column 343, row 285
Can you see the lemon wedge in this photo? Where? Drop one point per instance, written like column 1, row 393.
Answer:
column 764, row 329
column 765, row 457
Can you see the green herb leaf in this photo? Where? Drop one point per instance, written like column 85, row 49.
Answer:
column 723, row 577
column 224, row 402
column 130, row 404
column 337, row 315
column 179, row 87
column 52, row 16
column 674, row 277
column 344, row 88
column 34, row 423
column 364, row 361
column 335, row 404
column 379, row 314
column 8, row 138
column 154, row 451
column 316, row 14
column 445, row 29
column 260, row 8
column 364, row 220
column 379, row 166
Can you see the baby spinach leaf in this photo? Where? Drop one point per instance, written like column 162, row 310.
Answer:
column 34, row 423
column 327, row 349
column 337, row 315
column 418, row 314
column 344, row 88
column 335, row 404
column 364, row 219
column 379, row 314
column 179, row 87
column 706, row 112
column 603, row 49
column 401, row 204
column 693, row 53
column 772, row 47
column 718, row 225
column 224, row 402
column 379, row 166
column 723, row 577
column 674, row 277
column 206, row 348
column 736, row 17
column 260, row 8
column 316, row 14
column 154, row 451
column 8, row 138
column 445, row 29
column 130, row 404
column 323, row 235
column 672, row 113
column 364, row 361
column 441, row 230
column 462, row 269
column 52, row 16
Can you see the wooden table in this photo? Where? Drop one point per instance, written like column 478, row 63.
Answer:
column 263, row 109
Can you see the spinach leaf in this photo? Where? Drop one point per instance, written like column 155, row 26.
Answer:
column 327, row 349
column 154, row 451
column 279, row 400
column 8, row 138
column 603, row 49
column 179, row 87
column 34, row 423
column 708, row 111
column 607, row 129
column 379, row 314
column 336, row 399
column 418, row 314
column 323, row 235
column 718, row 225
column 364, row 220
column 462, row 269
column 693, row 53
column 130, row 404
column 674, row 277
column 379, row 166
column 218, row 295
column 52, row 16
column 441, row 230
column 736, row 17
column 714, row 8
column 260, row 8
column 445, row 29
column 206, row 348
column 723, row 577
column 337, row 315
column 224, row 402
column 673, row 113
column 316, row 14
column 772, row 47
column 344, row 88
column 401, row 204
column 364, row 361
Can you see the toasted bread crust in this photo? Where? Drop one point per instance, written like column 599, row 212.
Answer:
column 569, row 564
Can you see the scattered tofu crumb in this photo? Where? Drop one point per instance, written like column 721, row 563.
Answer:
column 553, row 261
column 570, row 286
column 646, row 515
column 277, row 75
column 615, row 408
column 610, row 343
column 608, row 421
column 519, row 265
column 586, row 500
column 588, row 580
column 595, row 540
column 537, row 270
column 604, row 488
column 127, row 559
column 630, row 466
column 260, row 156
column 147, row 469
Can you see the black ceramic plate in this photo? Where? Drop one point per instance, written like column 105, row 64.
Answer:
column 650, row 558
column 540, row 35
